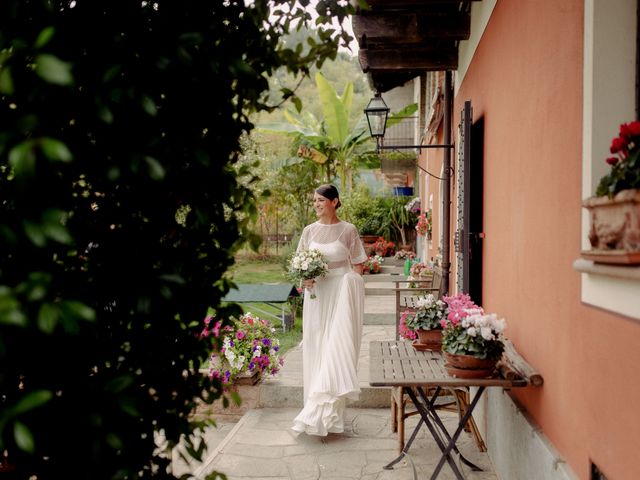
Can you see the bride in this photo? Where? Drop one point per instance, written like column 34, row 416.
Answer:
column 331, row 322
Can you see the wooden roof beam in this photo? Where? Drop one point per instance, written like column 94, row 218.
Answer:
column 385, row 28
column 414, row 59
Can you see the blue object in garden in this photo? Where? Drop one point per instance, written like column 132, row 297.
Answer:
column 403, row 191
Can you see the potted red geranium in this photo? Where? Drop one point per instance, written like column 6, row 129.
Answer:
column 614, row 212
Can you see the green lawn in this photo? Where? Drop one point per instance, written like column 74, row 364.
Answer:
column 258, row 271
column 253, row 269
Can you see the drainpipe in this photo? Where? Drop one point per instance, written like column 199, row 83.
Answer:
column 446, row 194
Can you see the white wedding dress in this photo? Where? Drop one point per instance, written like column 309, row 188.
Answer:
column 332, row 329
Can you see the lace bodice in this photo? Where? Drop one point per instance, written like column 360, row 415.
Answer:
column 339, row 243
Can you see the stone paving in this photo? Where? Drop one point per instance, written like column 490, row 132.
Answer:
column 262, row 446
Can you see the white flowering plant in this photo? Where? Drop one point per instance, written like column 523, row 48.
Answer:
column 307, row 265
column 404, row 255
column 467, row 330
column 427, row 314
column 248, row 346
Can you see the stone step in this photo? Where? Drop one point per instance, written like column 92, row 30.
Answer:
column 387, row 268
column 393, row 262
column 383, row 277
column 379, row 288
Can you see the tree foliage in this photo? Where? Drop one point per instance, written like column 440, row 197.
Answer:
column 120, row 209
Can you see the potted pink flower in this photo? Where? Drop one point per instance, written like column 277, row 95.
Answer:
column 472, row 341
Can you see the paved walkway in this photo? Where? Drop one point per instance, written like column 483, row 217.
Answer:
column 261, row 446
column 255, row 440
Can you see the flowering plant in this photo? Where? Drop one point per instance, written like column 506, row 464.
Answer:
column 419, row 269
column 625, row 163
column 307, row 265
column 374, row 263
column 403, row 330
column 429, row 312
column 404, row 255
column 383, row 247
column 413, row 205
column 467, row 330
column 423, row 227
column 248, row 346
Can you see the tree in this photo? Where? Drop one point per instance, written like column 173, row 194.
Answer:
column 331, row 141
column 120, row 210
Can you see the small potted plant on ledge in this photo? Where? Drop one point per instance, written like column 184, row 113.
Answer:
column 425, row 320
column 614, row 212
column 472, row 341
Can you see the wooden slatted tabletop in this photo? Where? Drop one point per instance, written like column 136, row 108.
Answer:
column 398, row 364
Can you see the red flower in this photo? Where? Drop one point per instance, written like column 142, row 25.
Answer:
column 612, row 160
column 630, row 130
column 619, row 144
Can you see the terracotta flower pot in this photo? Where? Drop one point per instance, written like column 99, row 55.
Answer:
column 468, row 366
column 431, row 339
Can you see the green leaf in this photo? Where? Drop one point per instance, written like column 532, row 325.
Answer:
column 35, row 233
column 53, row 70
column 23, row 437
column 334, row 112
column 32, row 400
column 79, row 310
column 10, row 313
column 55, row 150
column 44, row 37
column 149, row 106
column 6, row 81
column 297, row 102
column 22, row 158
column 48, row 318
column 52, row 226
column 156, row 170
column 114, row 441
column 118, row 384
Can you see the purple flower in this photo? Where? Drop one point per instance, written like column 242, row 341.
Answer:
column 266, row 341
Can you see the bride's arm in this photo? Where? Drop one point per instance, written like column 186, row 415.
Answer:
column 358, row 268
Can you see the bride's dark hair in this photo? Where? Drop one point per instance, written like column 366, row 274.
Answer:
column 329, row 191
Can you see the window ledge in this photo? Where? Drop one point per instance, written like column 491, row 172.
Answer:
column 626, row 272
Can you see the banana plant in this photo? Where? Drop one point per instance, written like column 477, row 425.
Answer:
column 330, row 141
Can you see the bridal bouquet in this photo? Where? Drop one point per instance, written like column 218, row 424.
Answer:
column 307, row 265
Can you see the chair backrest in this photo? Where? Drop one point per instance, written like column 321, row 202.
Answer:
column 406, row 296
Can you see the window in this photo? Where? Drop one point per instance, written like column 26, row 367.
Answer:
column 609, row 89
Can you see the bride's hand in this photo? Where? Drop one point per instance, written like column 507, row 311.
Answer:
column 308, row 283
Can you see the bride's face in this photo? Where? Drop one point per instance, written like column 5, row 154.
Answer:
column 323, row 206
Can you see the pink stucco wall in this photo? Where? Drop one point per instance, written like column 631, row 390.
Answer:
column 526, row 81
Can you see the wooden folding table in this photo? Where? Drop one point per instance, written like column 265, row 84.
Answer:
column 398, row 364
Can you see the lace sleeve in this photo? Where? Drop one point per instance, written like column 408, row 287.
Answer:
column 303, row 243
column 356, row 248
